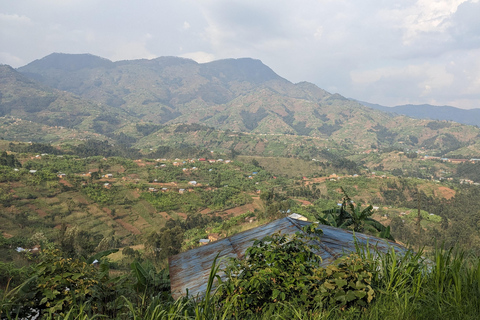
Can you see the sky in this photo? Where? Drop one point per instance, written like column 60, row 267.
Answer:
column 387, row 52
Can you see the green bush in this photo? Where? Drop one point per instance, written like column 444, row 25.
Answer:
column 286, row 269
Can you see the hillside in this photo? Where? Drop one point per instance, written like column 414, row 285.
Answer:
column 139, row 103
column 53, row 189
column 427, row 111
column 31, row 111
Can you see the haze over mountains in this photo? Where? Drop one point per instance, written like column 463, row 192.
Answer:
column 428, row 111
column 93, row 97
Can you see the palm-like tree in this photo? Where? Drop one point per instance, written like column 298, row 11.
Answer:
column 352, row 217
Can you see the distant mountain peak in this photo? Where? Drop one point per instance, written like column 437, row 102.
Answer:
column 70, row 62
column 240, row 69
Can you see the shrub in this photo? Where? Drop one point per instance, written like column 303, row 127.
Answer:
column 285, row 269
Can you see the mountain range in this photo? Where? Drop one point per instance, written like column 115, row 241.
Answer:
column 428, row 111
column 63, row 97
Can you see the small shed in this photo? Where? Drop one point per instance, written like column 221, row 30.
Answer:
column 190, row 270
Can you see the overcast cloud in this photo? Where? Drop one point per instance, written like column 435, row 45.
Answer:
column 387, row 52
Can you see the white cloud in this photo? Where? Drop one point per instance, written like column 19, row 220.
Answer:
column 199, row 56
column 130, row 50
column 14, row 19
column 379, row 51
column 7, row 58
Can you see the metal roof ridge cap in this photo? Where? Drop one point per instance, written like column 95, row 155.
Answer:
column 295, row 223
column 234, row 250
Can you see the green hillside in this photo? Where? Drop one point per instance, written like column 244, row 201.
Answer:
column 78, row 205
column 240, row 95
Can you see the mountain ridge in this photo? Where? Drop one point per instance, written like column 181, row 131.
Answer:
column 432, row 112
column 242, row 95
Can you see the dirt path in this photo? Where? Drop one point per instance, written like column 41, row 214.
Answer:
column 317, row 180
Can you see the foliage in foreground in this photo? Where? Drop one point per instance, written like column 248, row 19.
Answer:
column 405, row 286
column 285, row 269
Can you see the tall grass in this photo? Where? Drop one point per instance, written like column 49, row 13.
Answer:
column 444, row 284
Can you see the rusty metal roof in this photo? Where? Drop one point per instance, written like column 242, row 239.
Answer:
column 190, row 270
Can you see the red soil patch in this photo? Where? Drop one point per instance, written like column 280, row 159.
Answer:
column 135, row 193
column 16, row 184
column 164, row 215
column 304, row 202
column 260, row 147
column 65, row 182
column 40, row 212
column 7, row 235
column 445, row 192
column 182, row 215
column 243, row 209
column 127, row 226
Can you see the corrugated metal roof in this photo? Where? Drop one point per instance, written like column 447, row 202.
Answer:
column 190, row 270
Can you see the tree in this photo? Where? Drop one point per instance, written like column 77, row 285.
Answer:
column 353, row 217
column 163, row 244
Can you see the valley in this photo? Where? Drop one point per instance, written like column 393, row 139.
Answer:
column 132, row 162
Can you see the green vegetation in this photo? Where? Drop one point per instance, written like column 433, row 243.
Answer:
column 350, row 216
column 239, row 105
column 279, row 278
column 138, row 172
column 75, row 217
column 278, row 270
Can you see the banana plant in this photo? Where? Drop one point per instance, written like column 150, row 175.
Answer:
column 352, row 217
